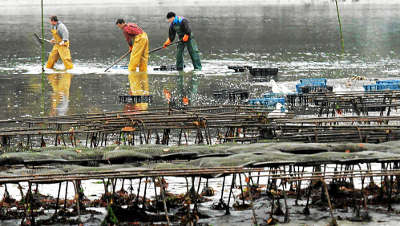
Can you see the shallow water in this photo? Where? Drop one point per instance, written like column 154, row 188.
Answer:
column 302, row 40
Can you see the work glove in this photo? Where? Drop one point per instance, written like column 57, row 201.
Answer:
column 185, row 38
column 130, row 48
column 166, row 43
column 61, row 43
column 53, row 41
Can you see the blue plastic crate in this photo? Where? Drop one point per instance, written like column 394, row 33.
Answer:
column 281, row 100
column 381, row 86
column 274, row 101
column 299, row 86
column 388, row 82
column 255, row 101
column 313, row 81
column 389, row 87
column 271, row 95
column 269, row 102
column 370, row 88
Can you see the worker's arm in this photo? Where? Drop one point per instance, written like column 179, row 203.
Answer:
column 172, row 33
column 128, row 39
column 186, row 27
column 63, row 31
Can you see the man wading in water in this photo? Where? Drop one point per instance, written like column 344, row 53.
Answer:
column 61, row 45
column 138, row 45
column 180, row 25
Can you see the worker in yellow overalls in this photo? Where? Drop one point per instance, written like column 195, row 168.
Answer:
column 138, row 45
column 61, row 45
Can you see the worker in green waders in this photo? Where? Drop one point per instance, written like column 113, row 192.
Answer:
column 180, row 26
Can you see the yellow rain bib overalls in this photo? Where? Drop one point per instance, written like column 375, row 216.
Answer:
column 59, row 51
column 140, row 53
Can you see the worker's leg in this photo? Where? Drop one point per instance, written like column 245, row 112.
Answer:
column 179, row 56
column 137, row 52
column 65, row 55
column 53, row 58
column 194, row 53
column 145, row 54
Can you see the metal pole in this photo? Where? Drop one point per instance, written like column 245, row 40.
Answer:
column 340, row 27
column 43, row 50
column 42, row 58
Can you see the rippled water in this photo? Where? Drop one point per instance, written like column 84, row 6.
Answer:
column 301, row 40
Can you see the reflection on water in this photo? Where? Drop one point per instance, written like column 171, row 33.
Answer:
column 60, row 82
column 187, row 88
column 138, row 86
column 66, row 93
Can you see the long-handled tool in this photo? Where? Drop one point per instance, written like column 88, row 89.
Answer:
column 117, row 61
column 160, row 48
column 39, row 39
column 127, row 53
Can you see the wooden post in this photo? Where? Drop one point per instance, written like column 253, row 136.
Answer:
column 333, row 222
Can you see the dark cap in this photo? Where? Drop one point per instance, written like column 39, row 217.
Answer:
column 120, row 21
column 170, row 15
column 54, row 18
